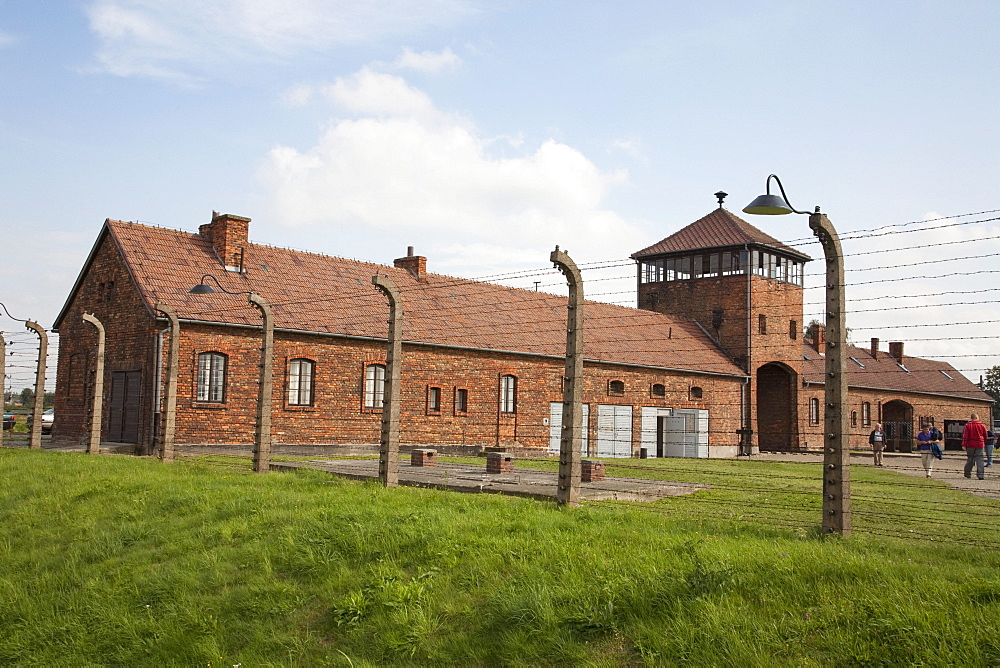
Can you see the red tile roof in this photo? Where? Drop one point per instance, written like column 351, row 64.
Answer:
column 718, row 229
column 324, row 294
column 884, row 373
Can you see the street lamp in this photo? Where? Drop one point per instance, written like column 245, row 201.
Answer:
column 262, row 428
column 836, row 448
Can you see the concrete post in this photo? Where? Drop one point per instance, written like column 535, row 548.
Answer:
column 836, row 448
column 570, row 440
column 388, row 453
column 262, row 429
column 94, row 443
column 35, row 439
column 170, row 400
column 3, row 382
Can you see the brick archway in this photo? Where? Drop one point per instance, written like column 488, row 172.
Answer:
column 897, row 420
column 777, row 408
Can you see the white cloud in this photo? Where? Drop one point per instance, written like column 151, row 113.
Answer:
column 182, row 38
column 377, row 94
column 403, row 166
column 298, row 95
column 6, row 39
column 629, row 147
column 427, row 61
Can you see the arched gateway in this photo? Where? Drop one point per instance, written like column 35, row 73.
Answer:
column 897, row 420
column 777, row 407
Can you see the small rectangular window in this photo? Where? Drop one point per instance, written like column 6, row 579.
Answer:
column 300, row 382
column 793, row 329
column 433, row 399
column 374, row 386
column 866, row 414
column 762, row 323
column 212, row 377
column 461, row 400
column 682, row 266
column 508, row 394
column 814, row 411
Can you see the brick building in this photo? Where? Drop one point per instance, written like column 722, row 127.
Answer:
column 482, row 363
column 744, row 289
column 713, row 355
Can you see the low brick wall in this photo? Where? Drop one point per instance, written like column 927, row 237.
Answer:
column 499, row 462
column 591, row 470
column 423, row 457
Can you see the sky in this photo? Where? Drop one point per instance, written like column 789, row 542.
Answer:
column 485, row 133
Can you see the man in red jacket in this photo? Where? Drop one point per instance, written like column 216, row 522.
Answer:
column 973, row 442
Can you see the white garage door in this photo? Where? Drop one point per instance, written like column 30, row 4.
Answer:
column 555, row 426
column 614, row 431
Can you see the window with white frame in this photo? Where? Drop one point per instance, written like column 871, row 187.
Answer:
column 508, row 393
column 866, row 414
column 211, row 377
column 374, row 385
column 814, row 411
column 300, row 382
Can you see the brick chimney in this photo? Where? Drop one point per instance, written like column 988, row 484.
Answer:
column 819, row 339
column 415, row 264
column 229, row 235
column 874, row 348
column 896, row 350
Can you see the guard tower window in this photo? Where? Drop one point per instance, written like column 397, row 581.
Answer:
column 762, row 323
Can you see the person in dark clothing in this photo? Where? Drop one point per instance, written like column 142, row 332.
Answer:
column 876, row 439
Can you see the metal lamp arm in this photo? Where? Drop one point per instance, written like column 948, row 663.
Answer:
column 783, row 195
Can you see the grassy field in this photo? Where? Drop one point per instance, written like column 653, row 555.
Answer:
column 118, row 560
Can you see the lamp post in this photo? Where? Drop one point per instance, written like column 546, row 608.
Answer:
column 262, row 427
column 836, row 448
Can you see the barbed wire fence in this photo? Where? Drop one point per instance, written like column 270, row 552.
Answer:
column 895, row 296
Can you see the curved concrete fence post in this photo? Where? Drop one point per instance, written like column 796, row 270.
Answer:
column 35, row 440
column 388, row 454
column 3, row 371
column 262, row 428
column 836, row 451
column 570, row 440
column 94, row 442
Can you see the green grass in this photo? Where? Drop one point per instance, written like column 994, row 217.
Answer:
column 125, row 561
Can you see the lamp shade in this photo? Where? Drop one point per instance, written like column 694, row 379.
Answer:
column 201, row 289
column 768, row 205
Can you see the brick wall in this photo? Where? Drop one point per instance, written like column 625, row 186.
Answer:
column 719, row 304
column 338, row 415
column 108, row 292
column 936, row 408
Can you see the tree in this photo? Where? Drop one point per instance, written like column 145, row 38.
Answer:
column 810, row 332
column 991, row 385
column 27, row 396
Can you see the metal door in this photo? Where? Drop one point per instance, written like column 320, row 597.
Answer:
column 123, row 408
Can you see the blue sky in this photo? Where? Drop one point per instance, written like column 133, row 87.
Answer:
column 484, row 133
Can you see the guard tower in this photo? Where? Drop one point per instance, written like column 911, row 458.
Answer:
column 744, row 288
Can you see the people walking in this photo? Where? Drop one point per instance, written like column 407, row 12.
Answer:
column 974, row 442
column 925, row 439
column 877, row 440
column 990, row 440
